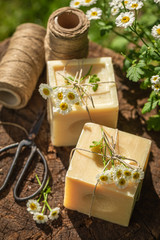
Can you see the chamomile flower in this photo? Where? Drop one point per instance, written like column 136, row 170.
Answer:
column 134, row 5
column 118, row 172
column 121, row 182
column 76, row 3
column 54, row 213
column 156, row 31
column 114, row 10
column 88, row 2
column 127, row 172
column 137, row 175
column 45, row 90
column 156, row 87
column 62, row 107
column 123, row 3
column 94, row 13
column 72, row 96
column 125, row 19
column 40, row 218
column 104, row 177
column 115, row 3
column 33, row 206
column 155, row 79
column 59, row 94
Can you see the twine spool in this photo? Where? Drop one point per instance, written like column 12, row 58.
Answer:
column 67, row 35
column 22, row 65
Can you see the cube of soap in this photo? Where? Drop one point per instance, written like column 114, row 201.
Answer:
column 109, row 202
column 65, row 129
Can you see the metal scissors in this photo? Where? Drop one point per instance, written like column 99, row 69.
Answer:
column 29, row 142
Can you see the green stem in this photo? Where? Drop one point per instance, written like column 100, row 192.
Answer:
column 135, row 31
column 47, row 204
column 128, row 39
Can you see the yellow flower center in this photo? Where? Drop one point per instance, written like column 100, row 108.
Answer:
column 155, row 78
column 158, row 31
column 88, row 1
column 157, row 86
column 71, row 96
column 60, row 96
column 54, row 213
column 125, row 2
column 134, row 5
column 103, row 178
column 40, row 217
column 119, row 173
column 33, row 206
column 63, row 106
column 127, row 173
column 136, row 175
column 46, row 91
column 94, row 13
column 122, row 181
column 76, row 3
column 125, row 19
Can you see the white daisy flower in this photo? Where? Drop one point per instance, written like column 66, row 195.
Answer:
column 72, row 96
column 157, row 1
column 156, row 87
column 62, row 107
column 118, row 172
column 88, row 2
column 114, row 10
column 125, row 19
column 155, row 79
column 137, row 175
column 33, row 206
column 104, row 177
column 59, row 93
column 127, row 172
column 45, row 90
column 76, row 3
column 94, row 13
column 134, row 5
column 40, row 218
column 115, row 3
column 121, row 182
column 156, row 31
column 54, row 213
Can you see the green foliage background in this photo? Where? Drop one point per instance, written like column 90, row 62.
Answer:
column 15, row 12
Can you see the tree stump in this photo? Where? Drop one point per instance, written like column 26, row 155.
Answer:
column 17, row 223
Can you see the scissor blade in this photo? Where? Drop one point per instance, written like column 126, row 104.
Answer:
column 36, row 126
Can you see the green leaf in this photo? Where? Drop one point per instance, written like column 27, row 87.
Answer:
column 154, row 123
column 145, row 84
column 147, row 107
column 105, row 29
column 135, row 72
column 152, row 103
column 94, row 79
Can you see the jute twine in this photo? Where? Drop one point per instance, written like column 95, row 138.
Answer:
column 22, row 65
column 66, row 36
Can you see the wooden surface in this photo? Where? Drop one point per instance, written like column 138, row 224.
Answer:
column 17, row 223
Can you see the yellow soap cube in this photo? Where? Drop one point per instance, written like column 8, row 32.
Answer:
column 108, row 202
column 65, row 129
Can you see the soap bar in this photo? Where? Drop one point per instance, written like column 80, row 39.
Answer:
column 65, row 129
column 109, row 202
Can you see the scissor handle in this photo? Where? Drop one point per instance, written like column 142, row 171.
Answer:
column 13, row 162
column 34, row 149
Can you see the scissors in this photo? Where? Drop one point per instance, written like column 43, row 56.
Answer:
column 29, row 142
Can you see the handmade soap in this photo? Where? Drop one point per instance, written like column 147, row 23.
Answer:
column 108, row 202
column 65, row 129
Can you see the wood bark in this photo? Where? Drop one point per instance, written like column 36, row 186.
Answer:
column 16, row 223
